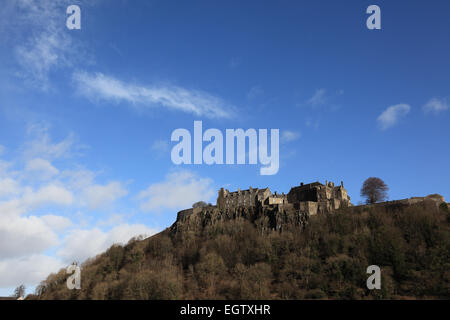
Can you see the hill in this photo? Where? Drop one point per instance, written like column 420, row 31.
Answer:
column 207, row 254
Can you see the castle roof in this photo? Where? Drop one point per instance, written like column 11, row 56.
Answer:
column 258, row 191
column 307, row 186
column 277, row 195
column 312, row 186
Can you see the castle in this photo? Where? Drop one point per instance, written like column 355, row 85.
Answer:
column 312, row 198
column 275, row 211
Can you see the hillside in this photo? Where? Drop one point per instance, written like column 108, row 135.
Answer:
column 263, row 254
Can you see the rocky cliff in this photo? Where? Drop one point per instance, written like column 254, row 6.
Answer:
column 276, row 217
column 265, row 218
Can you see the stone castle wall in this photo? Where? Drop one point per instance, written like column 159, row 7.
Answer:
column 311, row 198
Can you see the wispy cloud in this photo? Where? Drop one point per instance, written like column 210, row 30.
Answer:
column 179, row 190
column 254, row 92
column 42, row 146
column 99, row 86
column 289, row 136
column 319, row 98
column 436, row 106
column 44, row 43
column 392, row 115
column 312, row 123
column 323, row 98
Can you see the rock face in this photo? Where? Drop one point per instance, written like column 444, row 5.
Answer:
column 267, row 210
column 265, row 217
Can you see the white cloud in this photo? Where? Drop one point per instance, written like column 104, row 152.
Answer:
column 28, row 270
column 123, row 233
column 318, row 99
column 199, row 103
column 57, row 223
column 8, row 186
column 43, row 168
column 112, row 220
column 289, row 136
column 11, row 208
column 179, row 190
column 97, row 196
column 27, row 231
column 391, row 115
column 436, row 106
column 20, row 236
column 79, row 179
column 4, row 166
column 50, row 194
column 82, row 244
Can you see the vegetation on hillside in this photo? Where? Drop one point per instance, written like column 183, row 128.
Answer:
column 236, row 260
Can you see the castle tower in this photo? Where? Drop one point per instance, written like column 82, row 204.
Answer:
column 221, row 199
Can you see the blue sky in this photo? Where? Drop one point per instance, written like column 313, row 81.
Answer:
column 86, row 115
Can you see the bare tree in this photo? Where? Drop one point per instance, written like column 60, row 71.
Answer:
column 374, row 190
column 200, row 204
column 19, row 292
